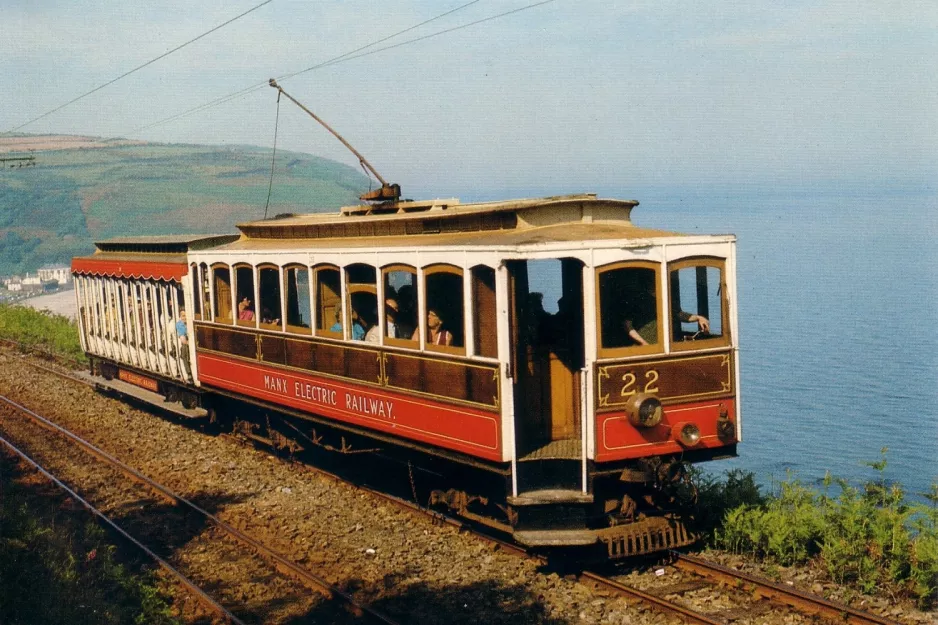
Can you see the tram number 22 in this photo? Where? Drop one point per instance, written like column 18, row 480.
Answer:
column 631, row 384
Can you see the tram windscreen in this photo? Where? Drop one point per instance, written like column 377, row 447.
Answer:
column 696, row 292
column 628, row 304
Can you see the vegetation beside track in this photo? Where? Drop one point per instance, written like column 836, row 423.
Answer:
column 57, row 565
column 55, row 335
column 864, row 537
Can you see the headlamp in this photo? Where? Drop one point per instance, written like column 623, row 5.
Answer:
column 686, row 433
column 644, row 410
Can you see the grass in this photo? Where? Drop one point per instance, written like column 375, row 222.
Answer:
column 865, row 537
column 41, row 330
column 58, row 567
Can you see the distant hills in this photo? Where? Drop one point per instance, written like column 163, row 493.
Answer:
column 78, row 190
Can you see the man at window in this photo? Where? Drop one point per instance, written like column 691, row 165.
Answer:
column 641, row 315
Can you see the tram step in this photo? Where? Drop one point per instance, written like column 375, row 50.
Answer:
column 549, row 475
column 556, row 538
column 550, row 496
column 554, row 509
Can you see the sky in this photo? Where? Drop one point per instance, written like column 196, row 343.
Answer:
column 568, row 96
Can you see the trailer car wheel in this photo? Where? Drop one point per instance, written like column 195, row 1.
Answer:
column 190, row 400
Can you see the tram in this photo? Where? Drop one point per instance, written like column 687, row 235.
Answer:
column 416, row 326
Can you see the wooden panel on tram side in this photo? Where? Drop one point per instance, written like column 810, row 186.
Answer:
column 273, row 349
column 443, row 379
column 433, row 376
column 227, row 340
column 672, row 380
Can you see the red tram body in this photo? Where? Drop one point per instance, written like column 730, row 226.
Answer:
column 418, row 326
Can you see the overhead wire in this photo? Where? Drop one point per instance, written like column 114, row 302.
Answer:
column 260, row 85
column 139, row 67
column 348, row 56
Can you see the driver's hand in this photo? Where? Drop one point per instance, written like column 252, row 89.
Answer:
column 704, row 323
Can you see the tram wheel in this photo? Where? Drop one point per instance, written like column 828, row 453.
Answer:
column 190, row 400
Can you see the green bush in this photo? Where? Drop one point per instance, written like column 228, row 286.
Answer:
column 41, row 329
column 865, row 537
column 717, row 497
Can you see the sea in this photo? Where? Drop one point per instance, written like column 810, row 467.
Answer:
column 838, row 315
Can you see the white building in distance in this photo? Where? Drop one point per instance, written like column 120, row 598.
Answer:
column 58, row 273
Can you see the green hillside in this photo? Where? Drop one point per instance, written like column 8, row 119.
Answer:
column 73, row 197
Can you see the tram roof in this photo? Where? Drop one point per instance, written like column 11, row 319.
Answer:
column 560, row 233
column 165, row 244
column 448, row 221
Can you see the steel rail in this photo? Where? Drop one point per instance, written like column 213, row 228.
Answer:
column 189, row 585
column 281, row 563
column 800, row 600
column 656, row 602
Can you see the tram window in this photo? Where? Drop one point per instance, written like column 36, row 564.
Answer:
column 445, row 314
column 400, row 294
column 629, row 309
column 697, row 302
column 362, row 301
column 206, row 292
column 269, row 283
column 296, row 286
column 328, row 301
column 196, row 296
column 222, row 293
column 484, row 314
column 244, row 295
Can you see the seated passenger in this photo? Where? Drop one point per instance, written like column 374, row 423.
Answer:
column 245, row 313
column 358, row 332
column 268, row 317
column 390, row 320
column 437, row 334
column 182, row 335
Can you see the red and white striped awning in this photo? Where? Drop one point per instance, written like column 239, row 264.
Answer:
column 130, row 269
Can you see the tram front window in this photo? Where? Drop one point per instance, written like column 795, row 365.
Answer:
column 629, row 308
column 696, row 290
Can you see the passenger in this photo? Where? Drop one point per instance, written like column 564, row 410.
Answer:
column 358, row 332
column 702, row 322
column 536, row 329
column 437, row 334
column 245, row 313
column 390, row 320
column 642, row 323
column 407, row 313
column 182, row 331
column 267, row 316
column 641, row 319
column 182, row 335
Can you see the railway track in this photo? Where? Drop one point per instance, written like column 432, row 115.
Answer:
column 190, row 586
column 753, row 596
column 275, row 560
